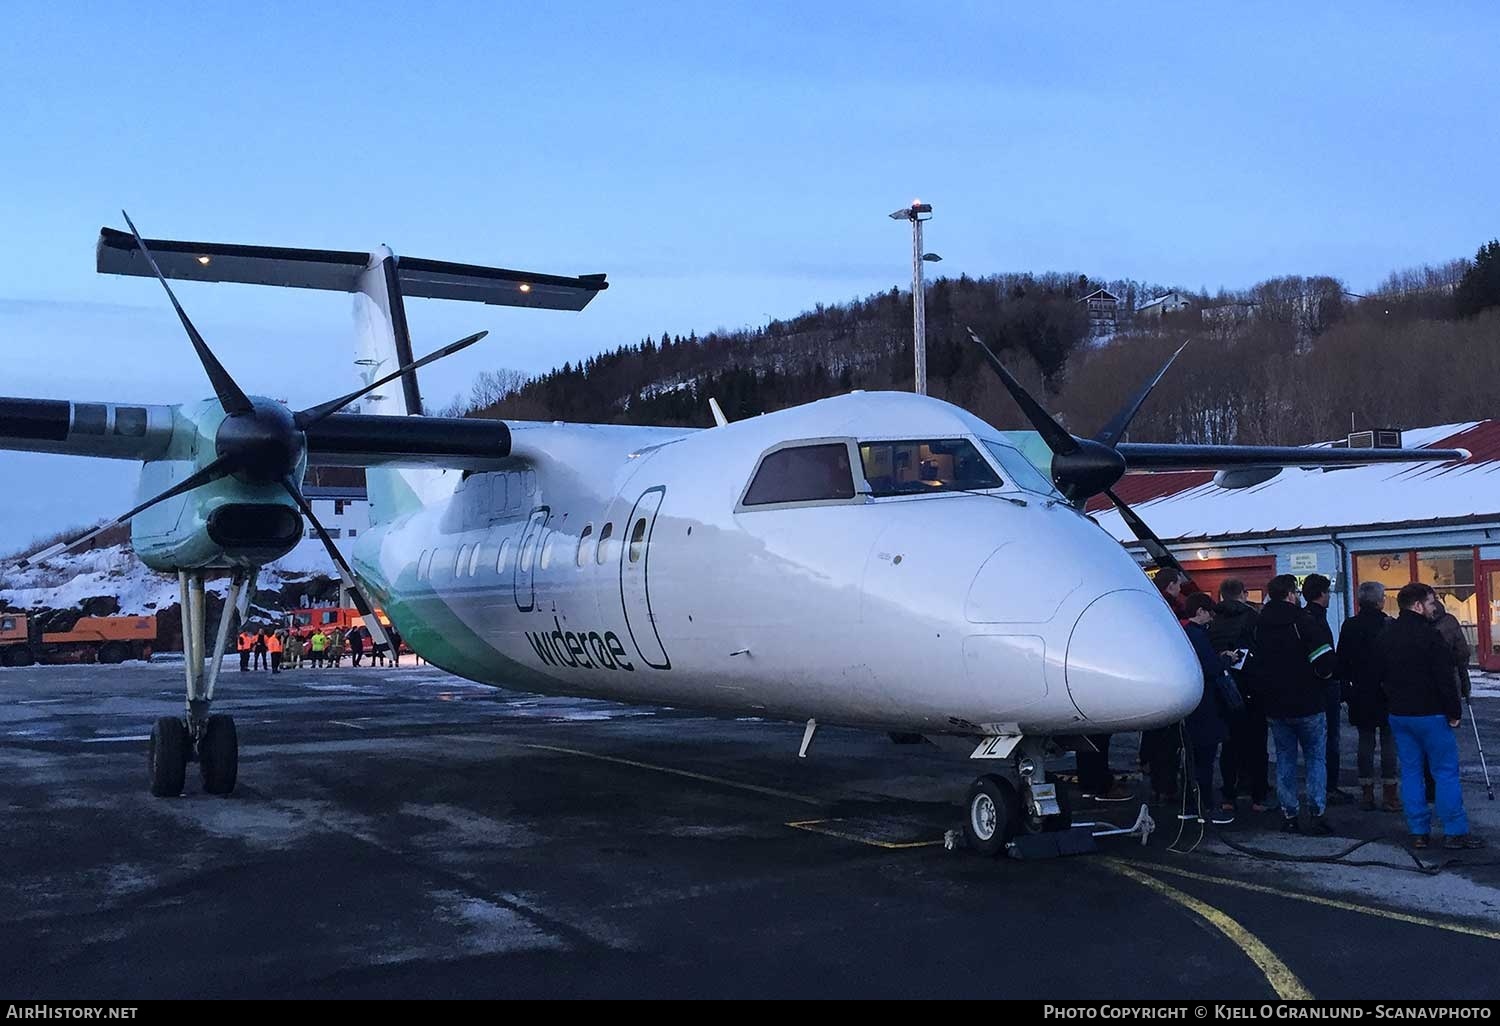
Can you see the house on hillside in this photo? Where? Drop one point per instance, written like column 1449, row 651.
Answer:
column 1159, row 307
column 1103, row 308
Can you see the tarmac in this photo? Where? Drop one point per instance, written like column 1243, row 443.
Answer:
column 405, row 833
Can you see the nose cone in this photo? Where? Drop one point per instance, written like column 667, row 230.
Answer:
column 1130, row 665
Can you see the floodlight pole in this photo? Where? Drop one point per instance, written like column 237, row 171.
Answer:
column 914, row 214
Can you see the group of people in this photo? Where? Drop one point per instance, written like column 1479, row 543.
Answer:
column 1274, row 673
column 290, row 649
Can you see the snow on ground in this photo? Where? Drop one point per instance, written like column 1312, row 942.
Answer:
column 66, row 581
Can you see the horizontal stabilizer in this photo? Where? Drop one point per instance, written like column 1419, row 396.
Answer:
column 339, row 271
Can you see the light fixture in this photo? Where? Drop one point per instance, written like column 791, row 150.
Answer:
column 525, row 287
column 203, row 260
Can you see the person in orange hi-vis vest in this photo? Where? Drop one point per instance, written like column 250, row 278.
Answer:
column 273, row 646
column 242, row 645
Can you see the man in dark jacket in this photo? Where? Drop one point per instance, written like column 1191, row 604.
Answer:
column 1422, row 691
column 1315, row 592
column 1244, row 762
column 1205, row 724
column 1360, row 668
column 1458, row 646
column 1293, row 660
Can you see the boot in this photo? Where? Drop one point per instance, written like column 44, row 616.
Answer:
column 1392, row 800
column 1367, row 797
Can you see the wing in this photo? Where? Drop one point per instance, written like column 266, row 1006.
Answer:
column 1152, row 456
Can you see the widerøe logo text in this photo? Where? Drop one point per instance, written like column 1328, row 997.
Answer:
column 590, row 651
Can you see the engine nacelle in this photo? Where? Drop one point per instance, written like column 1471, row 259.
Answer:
column 225, row 523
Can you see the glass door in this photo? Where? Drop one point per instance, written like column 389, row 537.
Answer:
column 1489, row 614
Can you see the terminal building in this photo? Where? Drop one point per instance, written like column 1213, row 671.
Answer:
column 1437, row 523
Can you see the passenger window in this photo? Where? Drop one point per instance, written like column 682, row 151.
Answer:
column 461, row 561
column 803, row 473
column 528, row 549
column 501, row 495
column 474, row 562
column 547, row 548
column 423, row 565
column 605, row 550
column 502, row 560
column 580, row 558
column 638, row 540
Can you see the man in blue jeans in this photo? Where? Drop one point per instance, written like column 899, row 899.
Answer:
column 1291, row 662
column 1422, row 691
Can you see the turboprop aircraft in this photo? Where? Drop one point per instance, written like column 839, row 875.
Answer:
column 880, row 560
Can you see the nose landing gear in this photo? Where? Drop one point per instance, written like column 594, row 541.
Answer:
column 1019, row 801
column 210, row 739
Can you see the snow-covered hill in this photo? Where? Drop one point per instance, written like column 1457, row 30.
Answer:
column 67, row 582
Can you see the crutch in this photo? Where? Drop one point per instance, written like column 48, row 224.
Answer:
column 1477, row 744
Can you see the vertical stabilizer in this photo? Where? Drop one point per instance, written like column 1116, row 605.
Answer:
column 385, row 344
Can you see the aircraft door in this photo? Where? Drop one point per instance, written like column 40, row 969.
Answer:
column 635, row 571
column 526, row 554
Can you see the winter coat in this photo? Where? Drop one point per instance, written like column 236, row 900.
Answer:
column 1458, row 649
column 1360, row 668
column 1205, row 724
column 357, row 641
column 1291, row 663
column 1231, row 626
column 1417, row 669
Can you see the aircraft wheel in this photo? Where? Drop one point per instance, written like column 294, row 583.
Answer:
column 167, row 757
column 219, row 755
column 992, row 814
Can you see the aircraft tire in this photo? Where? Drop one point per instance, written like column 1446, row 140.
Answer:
column 219, row 755
column 992, row 814
column 166, row 758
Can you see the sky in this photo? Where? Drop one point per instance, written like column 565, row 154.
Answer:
column 723, row 163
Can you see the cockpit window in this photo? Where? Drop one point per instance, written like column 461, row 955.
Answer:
column 919, row 467
column 1021, row 470
column 802, row 473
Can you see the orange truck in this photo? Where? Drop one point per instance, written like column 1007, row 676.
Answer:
column 92, row 639
column 329, row 618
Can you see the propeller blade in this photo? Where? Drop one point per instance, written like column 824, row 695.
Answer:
column 212, row 472
column 1115, row 429
column 1158, row 552
column 1058, row 438
column 231, row 396
column 345, row 571
column 313, row 414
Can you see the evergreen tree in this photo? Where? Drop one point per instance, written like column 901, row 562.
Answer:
column 1480, row 287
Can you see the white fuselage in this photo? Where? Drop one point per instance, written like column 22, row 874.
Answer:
column 622, row 563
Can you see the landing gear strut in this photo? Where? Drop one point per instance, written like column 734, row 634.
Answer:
column 1018, row 801
column 211, row 739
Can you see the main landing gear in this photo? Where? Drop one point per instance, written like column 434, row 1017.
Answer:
column 1017, row 801
column 210, row 739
